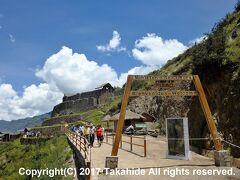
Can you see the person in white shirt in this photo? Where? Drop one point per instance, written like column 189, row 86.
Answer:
column 80, row 129
column 92, row 135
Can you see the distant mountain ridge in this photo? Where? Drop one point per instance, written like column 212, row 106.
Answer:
column 15, row 125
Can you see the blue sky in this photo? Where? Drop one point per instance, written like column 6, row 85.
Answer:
column 32, row 31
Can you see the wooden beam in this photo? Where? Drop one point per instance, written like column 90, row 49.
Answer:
column 207, row 113
column 120, row 122
column 164, row 77
column 164, row 93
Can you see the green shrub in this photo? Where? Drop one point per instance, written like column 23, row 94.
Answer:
column 53, row 153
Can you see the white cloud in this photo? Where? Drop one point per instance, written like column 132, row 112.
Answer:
column 153, row 50
column 113, row 45
column 6, row 91
column 197, row 40
column 34, row 101
column 72, row 73
column 12, row 39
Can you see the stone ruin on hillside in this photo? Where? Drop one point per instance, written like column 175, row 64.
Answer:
column 73, row 103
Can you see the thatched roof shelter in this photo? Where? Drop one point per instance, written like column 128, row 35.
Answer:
column 129, row 116
column 107, row 118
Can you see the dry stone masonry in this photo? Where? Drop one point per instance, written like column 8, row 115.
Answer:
column 83, row 101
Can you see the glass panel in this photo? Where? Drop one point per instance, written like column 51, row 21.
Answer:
column 175, row 135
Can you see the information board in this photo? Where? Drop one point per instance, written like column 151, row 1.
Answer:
column 177, row 138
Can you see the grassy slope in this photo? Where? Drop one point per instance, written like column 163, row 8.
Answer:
column 232, row 46
column 51, row 154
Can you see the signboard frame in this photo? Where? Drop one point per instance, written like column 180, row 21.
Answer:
column 200, row 93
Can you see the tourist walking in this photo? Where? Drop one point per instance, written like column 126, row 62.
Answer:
column 80, row 129
column 99, row 133
column 73, row 128
column 86, row 133
column 92, row 134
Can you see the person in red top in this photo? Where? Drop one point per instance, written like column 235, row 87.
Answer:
column 99, row 133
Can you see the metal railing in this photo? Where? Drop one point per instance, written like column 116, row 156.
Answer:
column 131, row 142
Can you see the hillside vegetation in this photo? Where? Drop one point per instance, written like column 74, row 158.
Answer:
column 54, row 153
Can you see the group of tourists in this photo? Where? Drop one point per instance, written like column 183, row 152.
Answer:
column 90, row 132
column 28, row 133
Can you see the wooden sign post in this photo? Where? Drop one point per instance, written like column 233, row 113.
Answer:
column 120, row 122
column 207, row 113
column 199, row 92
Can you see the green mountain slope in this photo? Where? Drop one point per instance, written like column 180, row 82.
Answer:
column 15, row 125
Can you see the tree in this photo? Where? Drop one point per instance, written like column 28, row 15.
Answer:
column 237, row 6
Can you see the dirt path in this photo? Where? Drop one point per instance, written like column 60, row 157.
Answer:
column 156, row 158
